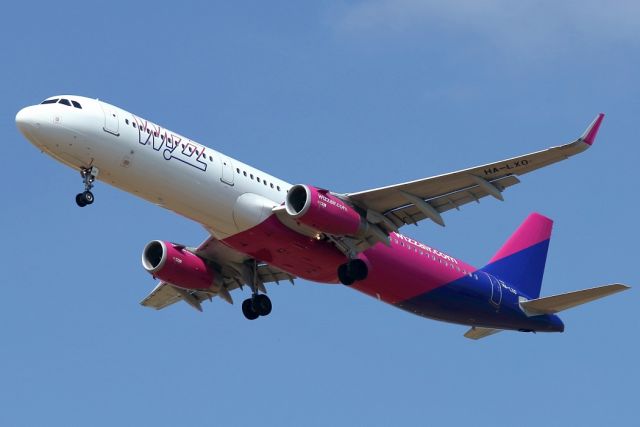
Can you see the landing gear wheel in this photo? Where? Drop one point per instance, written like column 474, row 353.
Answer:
column 248, row 311
column 89, row 176
column 353, row 271
column 357, row 269
column 80, row 200
column 88, row 197
column 344, row 277
column 262, row 305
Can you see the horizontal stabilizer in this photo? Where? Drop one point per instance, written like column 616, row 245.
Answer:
column 556, row 303
column 475, row 333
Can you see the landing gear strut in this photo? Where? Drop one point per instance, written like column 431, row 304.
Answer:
column 352, row 271
column 256, row 306
column 259, row 304
column 88, row 175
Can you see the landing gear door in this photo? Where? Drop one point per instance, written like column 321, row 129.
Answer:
column 111, row 123
column 227, row 170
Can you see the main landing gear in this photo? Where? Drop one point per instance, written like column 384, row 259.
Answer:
column 259, row 304
column 88, row 175
column 256, row 306
column 352, row 271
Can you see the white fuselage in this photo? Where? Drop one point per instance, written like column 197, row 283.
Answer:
column 223, row 194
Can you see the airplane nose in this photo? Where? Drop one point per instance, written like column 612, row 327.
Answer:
column 26, row 118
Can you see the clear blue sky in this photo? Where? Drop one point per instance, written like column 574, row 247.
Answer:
column 347, row 95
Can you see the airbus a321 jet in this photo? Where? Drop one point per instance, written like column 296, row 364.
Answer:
column 263, row 229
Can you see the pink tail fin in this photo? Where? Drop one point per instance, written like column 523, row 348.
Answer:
column 520, row 261
column 535, row 229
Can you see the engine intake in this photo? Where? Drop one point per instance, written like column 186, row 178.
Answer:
column 323, row 211
column 174, row 264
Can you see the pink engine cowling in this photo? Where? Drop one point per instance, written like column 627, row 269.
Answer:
column 323, row 211
column 174, row 264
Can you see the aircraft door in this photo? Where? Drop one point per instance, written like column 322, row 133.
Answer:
column 227, row 170
column 496, row 290
column 111, row 122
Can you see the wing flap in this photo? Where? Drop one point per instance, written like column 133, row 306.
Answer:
column 411, row 214
column 166, row 294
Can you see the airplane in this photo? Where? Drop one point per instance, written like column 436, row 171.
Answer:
column 263, row 229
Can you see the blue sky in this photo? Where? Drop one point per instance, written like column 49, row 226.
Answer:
column 348, row 96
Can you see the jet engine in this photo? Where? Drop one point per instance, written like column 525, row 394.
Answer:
column 174, row 264
column 323, row 211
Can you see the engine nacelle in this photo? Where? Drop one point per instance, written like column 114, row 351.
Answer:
column 174, row 264
column 324, row 212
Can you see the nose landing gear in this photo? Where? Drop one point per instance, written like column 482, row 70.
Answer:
column 88, row 175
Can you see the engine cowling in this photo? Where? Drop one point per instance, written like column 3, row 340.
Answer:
column 323, row 211
column 174, row 264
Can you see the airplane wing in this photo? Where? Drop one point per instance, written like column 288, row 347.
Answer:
column 235, row 268
column 166, row 294
column 410, row 202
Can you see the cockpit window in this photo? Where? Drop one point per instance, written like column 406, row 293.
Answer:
column 50, row 101
column 76, row 104
column 65, row 102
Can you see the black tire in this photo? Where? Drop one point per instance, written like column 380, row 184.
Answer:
column 343, row 275
column 80, row 200
column 262, row 305
column 357, row 269
column 247, row 310
column 88, row 197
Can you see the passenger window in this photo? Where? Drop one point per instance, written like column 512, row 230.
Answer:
column 76, row 104
column 238, row 170
column 134, row 124
column 278, row 188
column 65, row 102
column 251, row 175
column 245, row 173
column 272, row 185
column 210, row 159
column 126, row 121
column 49, row 101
